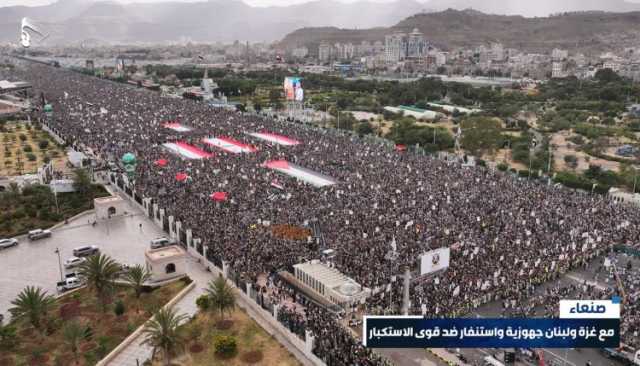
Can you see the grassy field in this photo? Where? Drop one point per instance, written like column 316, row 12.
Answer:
column 25, row 148
column 255, row 346
column 47, row 347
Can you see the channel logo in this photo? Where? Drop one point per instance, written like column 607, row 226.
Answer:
column 590, row 309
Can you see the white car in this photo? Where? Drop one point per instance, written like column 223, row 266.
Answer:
column 74, row 262
column 69, row 284
column 86, row 251
column 8, row 243
column 38, row 234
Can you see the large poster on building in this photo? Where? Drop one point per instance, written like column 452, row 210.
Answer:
column 434, row 261
column 293, row 89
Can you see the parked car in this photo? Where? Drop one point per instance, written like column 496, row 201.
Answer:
column 38, row 234
column 69, row 284
column 86, row 251
column 161, row 242
column 8, row 243
column 74, row 262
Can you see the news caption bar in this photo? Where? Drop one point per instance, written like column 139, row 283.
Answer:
column 582, row 324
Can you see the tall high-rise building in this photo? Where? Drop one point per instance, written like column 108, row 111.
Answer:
column 416, row 44
column 394, row 47
column 324, row 52
column 400, row 46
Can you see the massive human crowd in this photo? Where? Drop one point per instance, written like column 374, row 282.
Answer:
column 507, row 236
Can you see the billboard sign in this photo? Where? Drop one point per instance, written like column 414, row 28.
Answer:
column 293, row 89
column 434, row 260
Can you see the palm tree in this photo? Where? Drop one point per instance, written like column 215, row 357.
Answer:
column 136, row 276
column 100, row 271
column 221, row 295
column 34, row 303
column 73, row 334
column 162, row 332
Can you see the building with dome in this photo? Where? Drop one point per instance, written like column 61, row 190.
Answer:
column 330, row 283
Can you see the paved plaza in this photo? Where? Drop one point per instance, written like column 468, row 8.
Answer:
column 36, row 263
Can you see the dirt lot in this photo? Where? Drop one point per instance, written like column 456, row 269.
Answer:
column 19, row 142
column 564, row 147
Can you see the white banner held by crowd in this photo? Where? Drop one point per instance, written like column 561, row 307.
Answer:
column 434, row 260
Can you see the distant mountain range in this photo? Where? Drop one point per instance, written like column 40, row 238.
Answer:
column 75, row 21
column 72, row 21
column 540, row 8
column 584, row 31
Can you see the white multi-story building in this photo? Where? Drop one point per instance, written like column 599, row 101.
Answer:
column 497, row 52
column 400, row 46
column 324, row 52
column 558, row 70
column 559, row 55
column 394, row 47
column 300, row 52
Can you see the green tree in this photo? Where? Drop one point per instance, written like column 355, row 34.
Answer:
column 33, row 303
column 480, row 135
column 100, row 271
column 8, row 337
column 221, row 295
column 135, row 277
column 82, row 181
column 225, row 345
column 119, row 309
column 73, row 333
column 364, row 128
column 203, row 302
column 163, row 332
column 274, row 96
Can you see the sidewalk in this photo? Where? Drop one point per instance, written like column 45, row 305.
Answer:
column 187, row 305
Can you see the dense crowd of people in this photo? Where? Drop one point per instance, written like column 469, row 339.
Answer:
column 507, row 236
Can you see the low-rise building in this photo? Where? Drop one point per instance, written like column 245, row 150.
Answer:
column 166, row 263
column 329, row 283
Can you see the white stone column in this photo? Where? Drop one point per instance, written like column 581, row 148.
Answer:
column 225, row 269
column 172, row 233
column 190, row 241
column 248, row 289
column 161, row 220
column 308, row 341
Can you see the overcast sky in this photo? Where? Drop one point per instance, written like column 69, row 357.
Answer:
column 251, row 2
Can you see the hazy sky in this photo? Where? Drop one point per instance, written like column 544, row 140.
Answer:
column 252, row 2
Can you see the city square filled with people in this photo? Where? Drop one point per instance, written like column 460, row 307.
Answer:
column 506, row 235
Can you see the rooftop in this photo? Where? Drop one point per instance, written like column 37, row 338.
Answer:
column 163, row 253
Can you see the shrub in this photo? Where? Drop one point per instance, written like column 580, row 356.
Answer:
column 225, row 345
column 503, row 167
column 203, row 302
column 119, row 308
column 22, row 137
column 46, row 159
column 571, row 160
column 31, row 157
column 27, row 149
column 43, row 144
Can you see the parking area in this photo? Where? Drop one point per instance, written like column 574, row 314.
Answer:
column 36, row 263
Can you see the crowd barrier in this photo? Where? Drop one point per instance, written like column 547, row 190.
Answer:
column 301, row 338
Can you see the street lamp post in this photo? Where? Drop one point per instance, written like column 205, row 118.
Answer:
column 59, row 263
